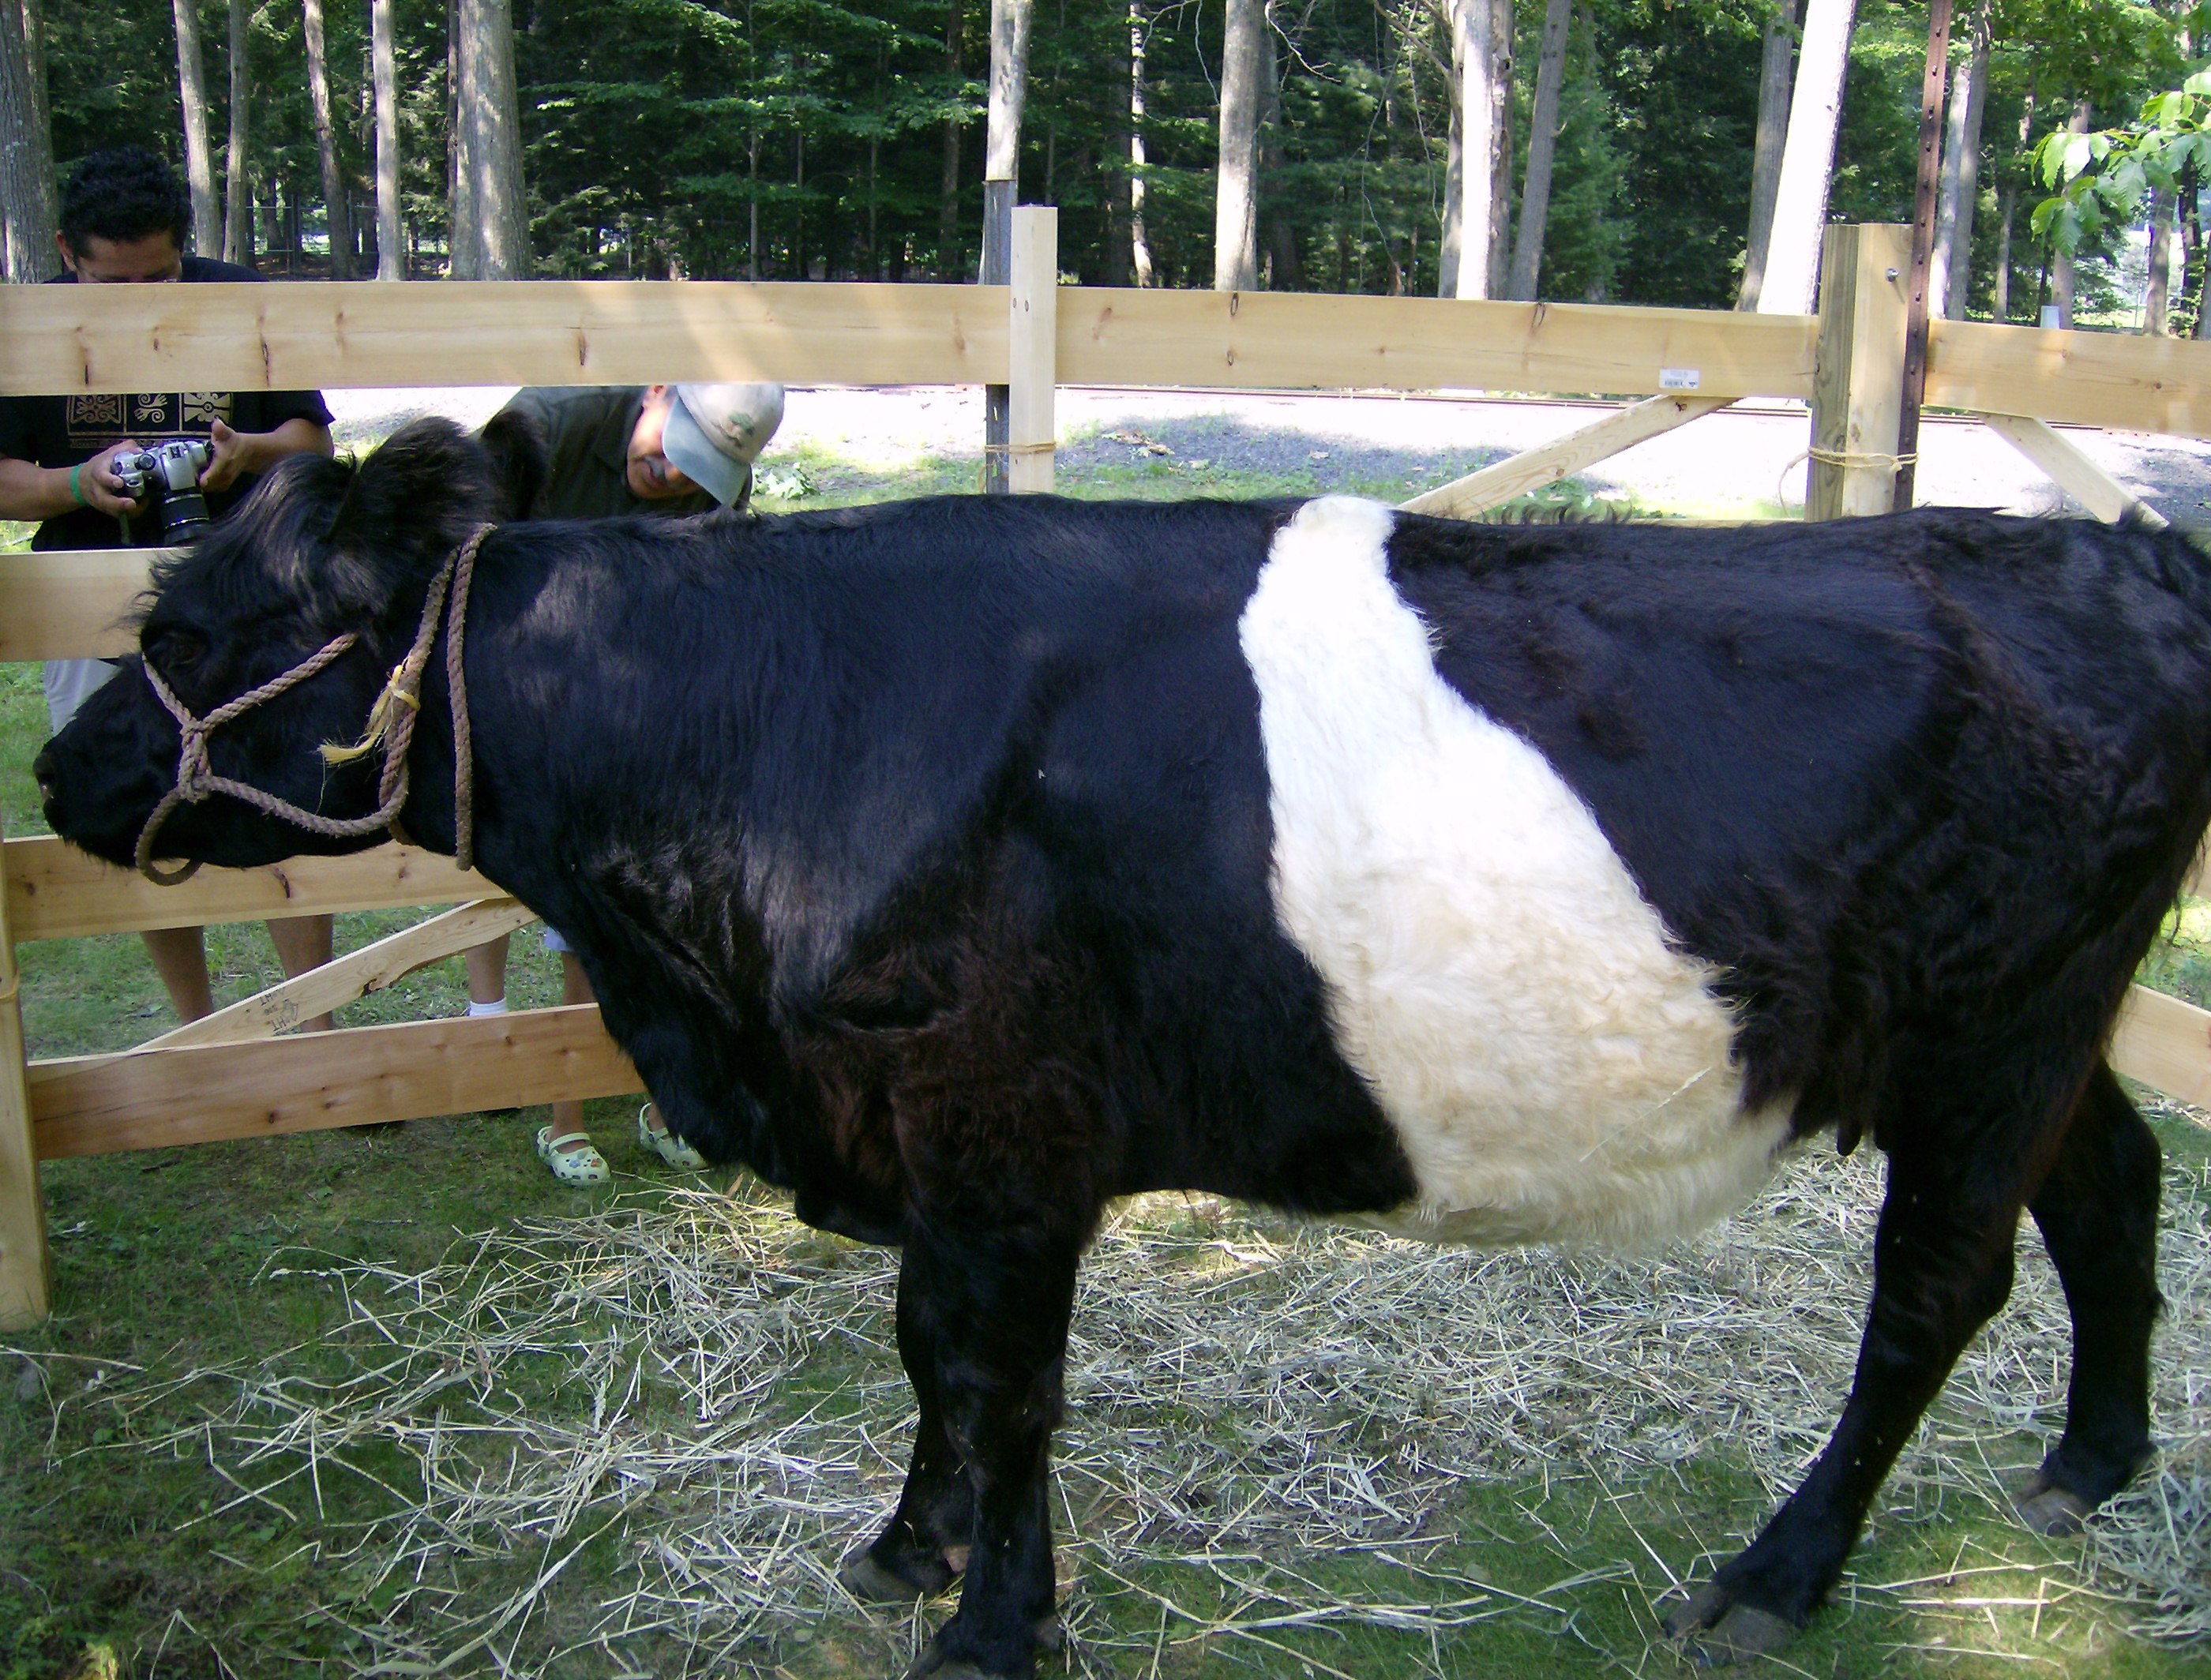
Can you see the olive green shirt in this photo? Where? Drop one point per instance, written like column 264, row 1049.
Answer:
column 586, row 429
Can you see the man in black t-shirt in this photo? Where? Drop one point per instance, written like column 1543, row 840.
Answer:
column 123, row 220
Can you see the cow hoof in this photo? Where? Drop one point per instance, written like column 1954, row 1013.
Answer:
column 932, row 1664
column 925, row 1669
column 872, row 1583
column 2051, row 1510
column 1716, row 1632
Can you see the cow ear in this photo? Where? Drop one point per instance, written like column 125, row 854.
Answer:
column 519, row 455
column 412, row 502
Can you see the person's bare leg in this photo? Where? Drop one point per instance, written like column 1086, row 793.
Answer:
column 575, row 988
column 180, row 958
column 487, row 971
column 302, row 942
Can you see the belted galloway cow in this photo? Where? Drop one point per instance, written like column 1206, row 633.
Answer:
column 962, row 864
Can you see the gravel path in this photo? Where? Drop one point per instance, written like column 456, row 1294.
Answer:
column 1734, row 462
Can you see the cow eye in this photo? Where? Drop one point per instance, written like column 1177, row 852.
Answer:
column 174, row 649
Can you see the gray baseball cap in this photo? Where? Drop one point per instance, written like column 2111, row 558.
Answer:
column 714, row 432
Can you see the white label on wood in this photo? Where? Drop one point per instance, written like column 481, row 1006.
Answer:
column 1680, row 378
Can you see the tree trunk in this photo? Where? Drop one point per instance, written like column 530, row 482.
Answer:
column 1950, row 273
column 1235, row 182
column 948, row 204
column 326, row 149
column 751, row 205
column 1140, row 244
column 1800, row 201
column 463, row 242
column 1542, row 143
column 2188, row 229
column 199, row 159
column 1279, row 263
column 490, row 128
column 37, row 254
column 1485, row 95
column 2000, row 303
column 1009, row 82
column 2061, row 262
column 384, row 55
column 26, row 160
column 236, row 170
column 2157, row 301
column 1774, row 80
column 1451, row 241
column 35, row 55
column 1501, row 33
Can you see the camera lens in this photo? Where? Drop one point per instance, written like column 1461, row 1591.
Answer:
column 183, row 512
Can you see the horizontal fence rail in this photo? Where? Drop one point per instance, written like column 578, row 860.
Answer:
column 1292, row 341
column 56, row 891
column 71, row 340
column 2119, row 380
column 313, row 1082
column 68, row 341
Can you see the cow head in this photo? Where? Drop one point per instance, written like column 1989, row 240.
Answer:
column 320, row 549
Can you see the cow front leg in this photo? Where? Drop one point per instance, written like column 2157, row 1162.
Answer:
column 1943, row 1266
column 993, row 1315
column 2096, row 1211
column 925, row 1546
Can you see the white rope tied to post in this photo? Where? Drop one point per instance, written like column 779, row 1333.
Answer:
column 1845, row 459
column 983, row 471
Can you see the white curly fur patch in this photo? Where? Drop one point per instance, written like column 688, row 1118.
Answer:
column 1555, row 1067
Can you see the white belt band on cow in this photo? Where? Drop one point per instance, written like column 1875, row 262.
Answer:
column 196, row 777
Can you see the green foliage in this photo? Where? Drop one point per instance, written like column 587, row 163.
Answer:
column 2105, row 176
column 809, row 138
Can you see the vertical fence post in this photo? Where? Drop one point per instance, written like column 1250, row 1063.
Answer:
column 26, row 1291
column 1857, row 387
column 997, row 270
column 1032, row 349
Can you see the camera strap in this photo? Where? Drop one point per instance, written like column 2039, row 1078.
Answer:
column 400, row 702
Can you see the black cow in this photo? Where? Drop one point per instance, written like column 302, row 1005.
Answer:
column 962, row 864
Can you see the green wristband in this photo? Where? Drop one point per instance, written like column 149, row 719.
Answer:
column 76, row 493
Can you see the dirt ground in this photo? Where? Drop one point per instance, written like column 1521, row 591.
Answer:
column 1739, row 461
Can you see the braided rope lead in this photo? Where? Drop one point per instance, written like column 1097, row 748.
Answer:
column 196, row 777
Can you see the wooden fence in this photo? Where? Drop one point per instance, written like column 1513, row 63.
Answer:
column 234, row 1076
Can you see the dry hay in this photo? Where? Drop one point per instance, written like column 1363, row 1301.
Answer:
column 1248, row 1399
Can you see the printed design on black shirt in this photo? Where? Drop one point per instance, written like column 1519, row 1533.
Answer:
column 94, row 422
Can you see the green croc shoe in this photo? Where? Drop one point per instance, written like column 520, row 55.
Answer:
column 667, row 1145
column 582, row 1164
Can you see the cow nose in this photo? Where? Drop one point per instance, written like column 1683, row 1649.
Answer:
column 42, row 771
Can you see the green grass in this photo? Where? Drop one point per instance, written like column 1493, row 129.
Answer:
column 836, row 480
column 174, row 1262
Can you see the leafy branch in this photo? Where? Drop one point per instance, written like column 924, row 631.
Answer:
column 2103, row 177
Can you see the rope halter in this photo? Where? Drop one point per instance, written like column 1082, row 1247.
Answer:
column 392, row 725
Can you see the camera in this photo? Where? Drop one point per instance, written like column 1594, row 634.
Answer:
column 172, row 471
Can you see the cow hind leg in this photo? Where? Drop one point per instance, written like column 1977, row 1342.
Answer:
column 925, row 1546
column 1943, row 1266
column 2096, row 1211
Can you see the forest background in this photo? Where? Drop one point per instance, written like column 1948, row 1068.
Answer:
column 786, row 139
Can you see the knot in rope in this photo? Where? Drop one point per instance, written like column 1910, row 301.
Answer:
column 392, row 727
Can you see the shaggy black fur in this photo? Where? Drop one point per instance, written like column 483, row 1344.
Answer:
column 920, row 855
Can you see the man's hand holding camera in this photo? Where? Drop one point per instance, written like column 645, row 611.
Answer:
column 234, row 453
column 96, row 485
